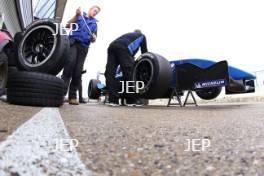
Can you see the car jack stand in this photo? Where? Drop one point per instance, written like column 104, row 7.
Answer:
column 186, row 99
column 174, row 93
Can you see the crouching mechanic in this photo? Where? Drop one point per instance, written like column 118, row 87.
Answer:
column 80, row 38
column 121, row 52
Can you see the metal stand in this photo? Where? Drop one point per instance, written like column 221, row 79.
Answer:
column 174, row 94
column 186, row 99
column 178, row 98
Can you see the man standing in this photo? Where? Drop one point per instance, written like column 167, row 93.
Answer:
column 82, row 34
column 121, row 52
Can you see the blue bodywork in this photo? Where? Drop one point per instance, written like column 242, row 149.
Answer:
column 234, row 73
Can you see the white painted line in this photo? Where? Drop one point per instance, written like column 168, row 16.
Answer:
column 31, row 149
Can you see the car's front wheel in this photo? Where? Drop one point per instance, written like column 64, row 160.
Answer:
column 208, row 93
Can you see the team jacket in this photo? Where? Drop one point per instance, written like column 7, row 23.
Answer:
column 132, row 41
column 82, row 34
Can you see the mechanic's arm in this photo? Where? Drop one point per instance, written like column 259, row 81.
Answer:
column 143, row 45
column 74, row 19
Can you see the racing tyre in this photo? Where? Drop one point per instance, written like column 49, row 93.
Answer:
column 208, row 93
column 93, row 91
column 3, row 70
column 34, row 89
column 11, row 70
column 156, row 73
column 43, row 48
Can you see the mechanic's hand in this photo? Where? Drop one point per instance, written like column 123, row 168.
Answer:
column 93, row 38
column 78, row 11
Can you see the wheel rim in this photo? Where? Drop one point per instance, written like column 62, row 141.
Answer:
column 38, row 46
column 144, row 72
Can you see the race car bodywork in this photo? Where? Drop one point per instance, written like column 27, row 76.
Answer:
column 205, row 77
column 235, row 73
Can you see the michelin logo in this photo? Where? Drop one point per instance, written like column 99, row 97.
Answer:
column 212, row 83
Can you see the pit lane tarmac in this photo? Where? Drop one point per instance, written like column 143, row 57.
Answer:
column 153, row 140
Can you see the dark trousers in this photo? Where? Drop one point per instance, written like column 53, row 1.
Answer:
column 80, row 90
column 118, row 56
column 72, row 72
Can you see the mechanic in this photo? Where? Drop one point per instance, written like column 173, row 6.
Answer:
column 80, row 38
column 121, row 52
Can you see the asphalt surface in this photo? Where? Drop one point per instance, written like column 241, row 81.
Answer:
column 12, row 116
column 152, row 140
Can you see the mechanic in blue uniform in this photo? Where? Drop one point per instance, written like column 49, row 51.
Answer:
column 121, row 52
column 80, row 39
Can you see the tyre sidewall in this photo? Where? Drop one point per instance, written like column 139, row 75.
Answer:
column 93, row 91
column 34, row 89
column 162, row 74
column 55, row 63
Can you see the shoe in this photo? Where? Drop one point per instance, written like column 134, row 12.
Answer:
column 135, row 104
column 131, row 105
column 82, row 101
column 139, row 104
column 131, row 102
column 113, row 104
column 73, row 101
column 113, row 101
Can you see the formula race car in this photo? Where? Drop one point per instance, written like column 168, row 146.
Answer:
column 161, row 77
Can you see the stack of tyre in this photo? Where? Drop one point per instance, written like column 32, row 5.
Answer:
column 38, row 55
